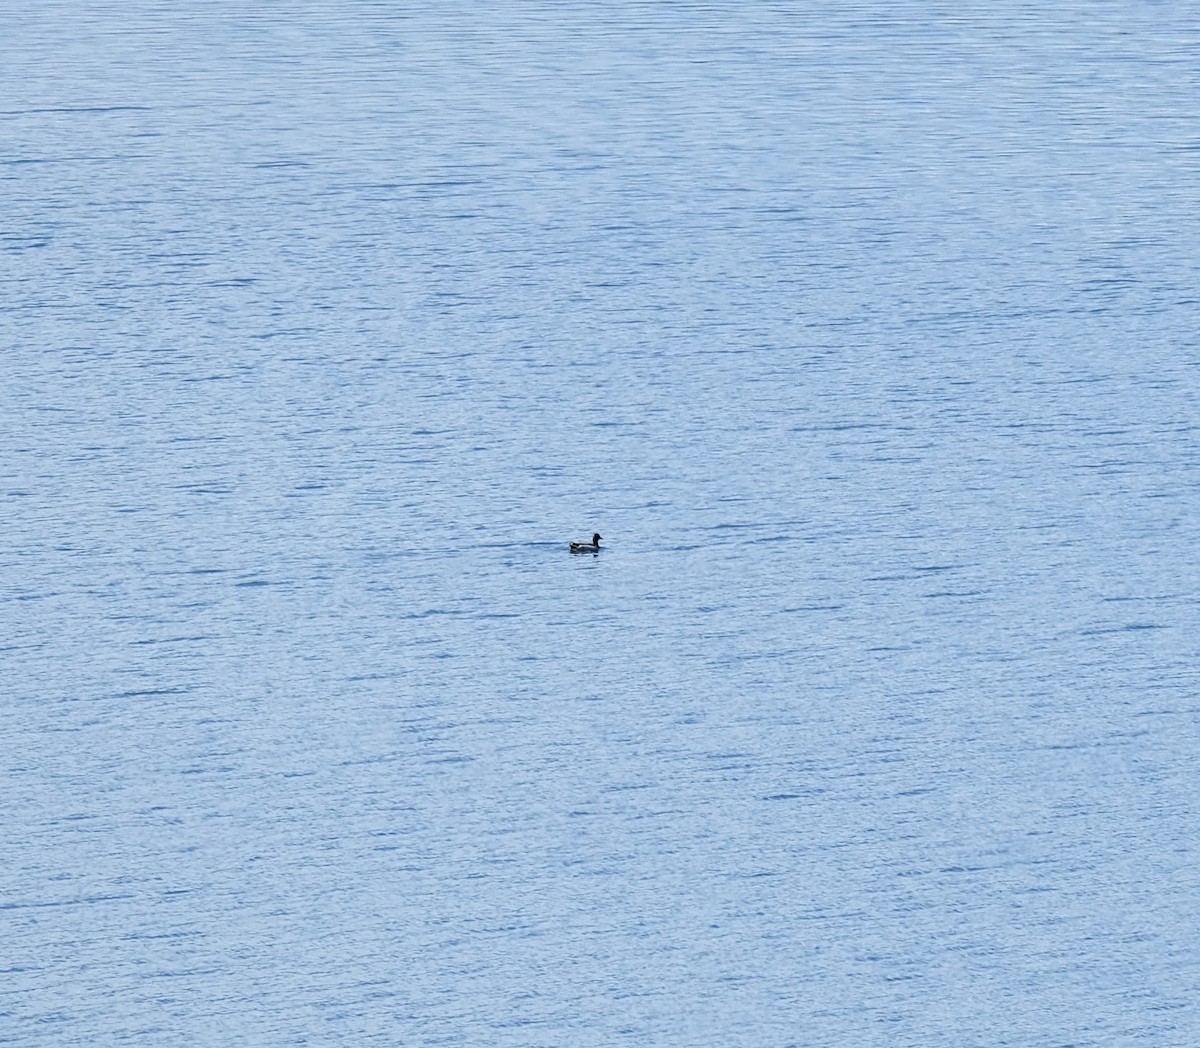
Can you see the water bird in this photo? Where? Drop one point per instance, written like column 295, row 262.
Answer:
column 587, row 547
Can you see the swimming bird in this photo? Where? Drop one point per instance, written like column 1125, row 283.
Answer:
column 587, row 547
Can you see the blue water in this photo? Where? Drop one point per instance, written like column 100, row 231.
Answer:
column 865, row 334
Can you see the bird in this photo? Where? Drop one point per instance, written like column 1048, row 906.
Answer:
column 587, row 547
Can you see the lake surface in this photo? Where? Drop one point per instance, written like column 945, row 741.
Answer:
column 866, row 334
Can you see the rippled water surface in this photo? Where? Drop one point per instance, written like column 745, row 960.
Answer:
column 864, row 333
